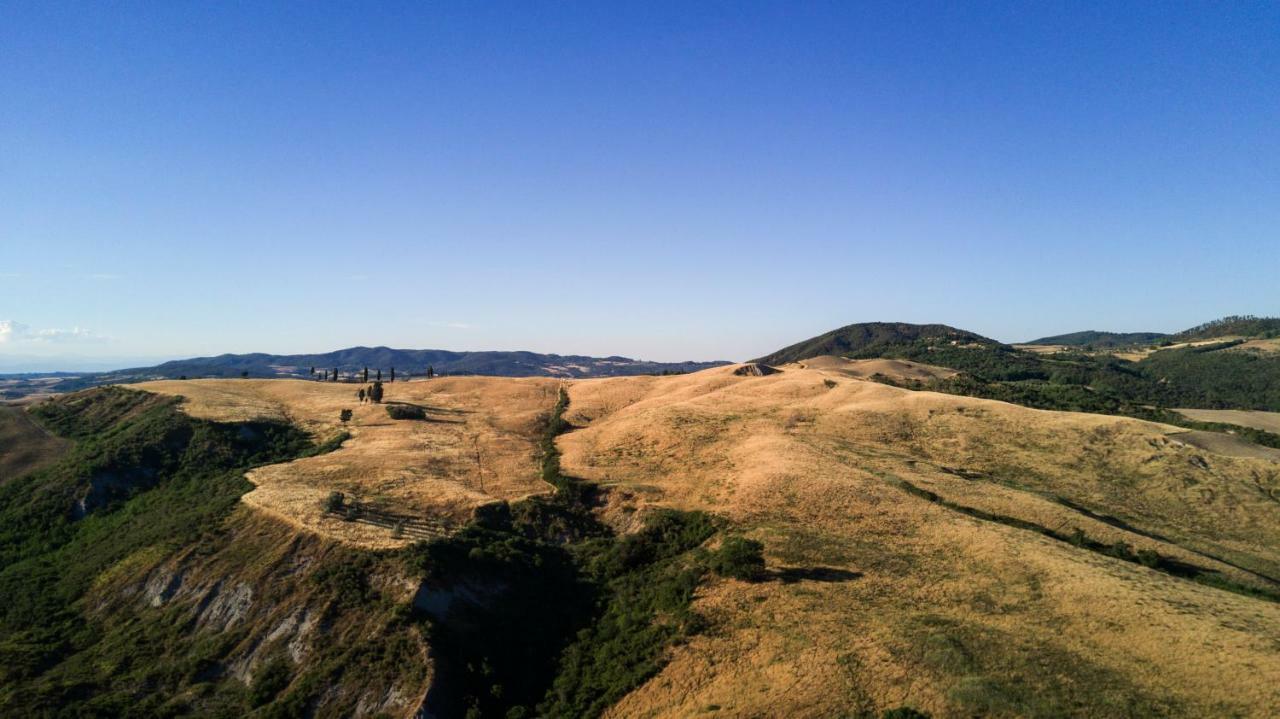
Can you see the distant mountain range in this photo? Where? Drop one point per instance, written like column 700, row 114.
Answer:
column 406, row 362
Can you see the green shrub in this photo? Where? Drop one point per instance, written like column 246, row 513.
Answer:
column 739, row 558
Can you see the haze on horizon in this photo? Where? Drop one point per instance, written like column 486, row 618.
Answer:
column 660, row 181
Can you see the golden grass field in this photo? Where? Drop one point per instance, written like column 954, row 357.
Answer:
column 478, row 445
column 891, row 598
column 952, row 614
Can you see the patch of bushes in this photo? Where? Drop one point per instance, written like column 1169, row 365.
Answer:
column 406, row 411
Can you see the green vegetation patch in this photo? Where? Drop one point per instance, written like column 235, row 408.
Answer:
column 142, row 480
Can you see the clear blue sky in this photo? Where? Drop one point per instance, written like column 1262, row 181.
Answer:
column 666, row 181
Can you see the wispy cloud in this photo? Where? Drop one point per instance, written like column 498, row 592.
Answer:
column 452, row 325
column 12, row 332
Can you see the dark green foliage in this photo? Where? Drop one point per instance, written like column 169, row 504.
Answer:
column 375, row 390
column 141, row 475
column 344, row 416
column 739, row 558
column 406, row 411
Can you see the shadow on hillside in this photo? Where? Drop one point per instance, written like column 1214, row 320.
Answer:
column 791, row 575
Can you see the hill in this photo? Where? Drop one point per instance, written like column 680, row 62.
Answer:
column 800, row 543
column 1101, row 339
column 870, row 339
column 1234, row 326
column 1233, row 374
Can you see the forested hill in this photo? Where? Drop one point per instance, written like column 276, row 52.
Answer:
column 1234, row 326
column 1232, row 374
column 869, row 339
column 1101, row 339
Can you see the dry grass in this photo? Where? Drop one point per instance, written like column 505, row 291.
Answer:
column 1266, row 421
column 952, row 614
column 865, row 368
column 24, row 446
column 479, row 444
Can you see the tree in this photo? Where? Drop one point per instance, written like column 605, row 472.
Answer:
column 365, row 377
column 379, row 375
column 375, row 393
column 244, row 374
column 335, row 374
column 313, row 371
column 345, row 416
column 393, row 374
column 431, row 371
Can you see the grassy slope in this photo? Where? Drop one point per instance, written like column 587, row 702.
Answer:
column 902, row 599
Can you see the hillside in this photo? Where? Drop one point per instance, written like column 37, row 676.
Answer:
column 1238, row 373
column 584, row 547
column 1101, row 339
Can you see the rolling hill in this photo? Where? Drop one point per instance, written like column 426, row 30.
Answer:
column 802, row 543
column 1239, row 373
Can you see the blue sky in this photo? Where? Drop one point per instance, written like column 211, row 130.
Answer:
column 666, row 181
